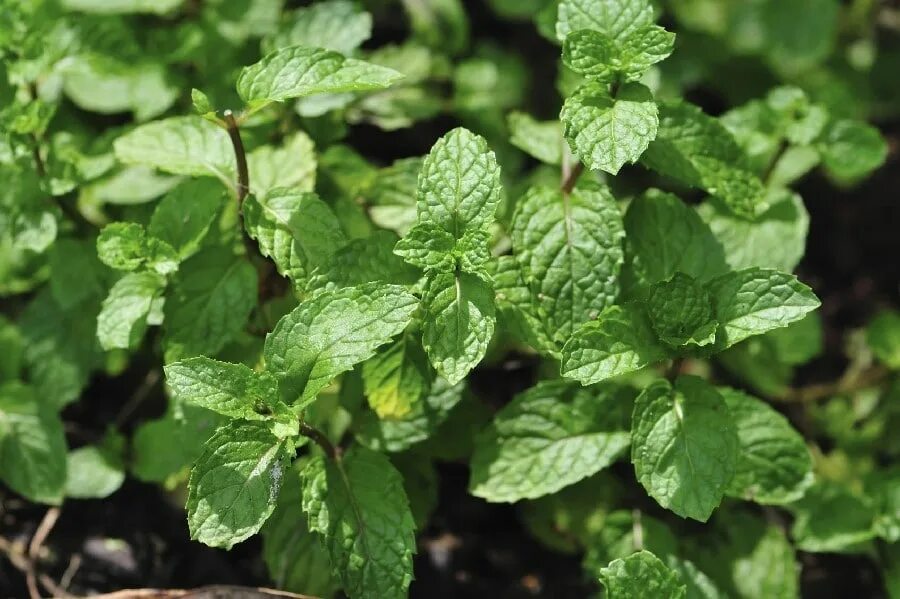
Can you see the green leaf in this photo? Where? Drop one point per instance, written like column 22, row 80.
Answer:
column 296, row 560
column 459, row 323
column 11, row 351
column 684, row 446
column 209, row 304
column 427, row 246
column 32, row 444
column 831, row 519
column 299, row 71
column 185, row 214
column 664, row 236
column 126, row 246
column 752, row 301
column 164, row 449
column 396, row 378
column 620, row 341
column 292, row 165
column 774, row 466
column 852, row 149
column 423, row 419
column 392, row 195
column 330, row 333
column 367, row 260
column 542, row 140
column 697, row 150
column 517, row 306
column 122, row 6
column 775, row 239
column 296, row 229
column 570, row 248
column 617, row 19
column 123, row 317
column 359, row 508
column 681, row 312
column 459, row 184
column 336, row 25
column 883, row 337
column 606, row 132
column 599, row 57
column 96, row 471
column 641, row 574
column 182, row 145
column 549, row 437
column 233, row 390
column 235, row 483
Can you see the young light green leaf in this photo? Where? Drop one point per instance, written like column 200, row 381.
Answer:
column 233, row 390
column 542, row 140
column 96, row 471
column 235, row 483
column 459, row 323
column 852, row 149
column 123, row 317
column 367, row 260
column 359, row 508
column 883, row 337
column 330, row 333
column 122, row 6
column 296, row 560
column 337, row 25
column 570, row 249
column 596, row 55
column 459, row 184
column 392, row 194
column 397, row 378
column 664, row 236
column 832, row 518
column 697, row 150
column 549, row 437
column 427, row 246
column 684, row 445
column 126, row 246
column 296, row 229
column 616, row 18
column 606, row 132
column 752, row 301
column 775, row 239
column 32, row 444
column 208, row 305
column 681, row 312
column 423, row 419
column 299, row 71
column 774, row 466
column 641, row 574
column 620, row 341
column 292, row 165
column 185, row 214
column 184, row 145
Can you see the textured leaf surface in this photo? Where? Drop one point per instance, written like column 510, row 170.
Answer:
column 183, row 217
column 620, row 341
column 665, row 236
column 615, row 18
column 183, row 145
column 336, row 25
column 330, row 333
column 208, row 305
column 126, row 246
column 300, row 71
column 397, row 378
column 292, row 165
column 235, row 483
column 570, row 248
column 598, row 56
column 459, row 184
column 606, row 132
column 752, row 301
column 123, row 317
column 641, row 575
column 459, row 323
column 361, row 511
column 296, row 229
column 549, row 437
column 427, row 246
column 774, row 465
column 684, row 446
column 681, row 312
column 697, row 150
column 32, row 444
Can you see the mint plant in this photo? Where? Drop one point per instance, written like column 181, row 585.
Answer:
column 324, row 318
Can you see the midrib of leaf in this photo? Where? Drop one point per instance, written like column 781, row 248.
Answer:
column 458, row 286
column 567, row 222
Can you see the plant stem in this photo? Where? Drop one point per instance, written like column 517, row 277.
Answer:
column 846, row 384
column 319, row 437
column 243, row 182
column 36, row 153
column 570, row 176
